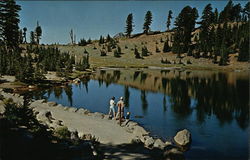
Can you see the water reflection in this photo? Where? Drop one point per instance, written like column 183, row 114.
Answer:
column 215, row 93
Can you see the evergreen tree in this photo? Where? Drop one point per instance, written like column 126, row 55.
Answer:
column 24, row 34
column 246, row 11
column 9, row 20
column 169, row 19
column 166, row 47
column 226, row 13
column 185, row 23
column 32, row 38
column 244, row 50
column 144, row 51
column 108, row 38
column 38, row 33
column 116, row 53
column 236, row 13
column 20, row 36
column 129, row 25
column 206, row 22
column 137, row 54
column 147, row 22
column 89, row 41
column 216, row 16
column 223, row 54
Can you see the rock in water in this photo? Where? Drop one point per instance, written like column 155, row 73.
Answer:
column 149, row 142
column 183, row 137
column 173, row 154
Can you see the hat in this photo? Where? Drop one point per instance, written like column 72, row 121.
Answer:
column 121, row 98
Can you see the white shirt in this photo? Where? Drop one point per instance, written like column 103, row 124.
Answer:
column 112, row 103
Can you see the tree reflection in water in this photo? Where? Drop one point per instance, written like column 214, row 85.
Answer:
column 213, row 94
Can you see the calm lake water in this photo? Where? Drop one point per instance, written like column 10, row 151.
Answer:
column 213, row 106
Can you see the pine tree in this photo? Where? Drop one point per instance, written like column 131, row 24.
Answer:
column 166, row 47
column 169, row 19
column 108, row 38
column 20, row 36
column 9, row 20
column 206, row 22
column 32, row 38
column 137, row 54
column 147, row 22
column 38, row 32
column 129, row 25
column 216, row 15
column 89, row 41
column 24, row 34
column 244, row 50
column 144, row 51
column 223, row 54
column 185, row 23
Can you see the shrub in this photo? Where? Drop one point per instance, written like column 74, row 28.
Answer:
column 103, row 53
column 137, row 54
column 144, row 51
column 116, row 54
column 62, row 132
column 19, row 115
column 188, row 61
column 166, row 47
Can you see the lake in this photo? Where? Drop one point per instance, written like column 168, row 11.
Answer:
column 213, row 106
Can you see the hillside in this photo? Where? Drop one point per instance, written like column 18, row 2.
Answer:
column 128, row 59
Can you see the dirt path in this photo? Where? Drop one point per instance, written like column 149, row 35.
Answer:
column 107, row 131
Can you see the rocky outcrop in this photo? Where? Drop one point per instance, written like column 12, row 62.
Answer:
column 183, row 138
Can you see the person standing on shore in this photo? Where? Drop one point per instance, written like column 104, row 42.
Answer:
column 120, row 111
column 112, row 106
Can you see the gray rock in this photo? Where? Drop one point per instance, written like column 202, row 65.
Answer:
column 131, row 125
column 72, row 109
column 173, row 154
column 159, row 144
column 167, row 143
column 136, row 140
column 82, row 111
column 149, row 142
column 52, row 104
column 58, row 122
column 45, row 116
column 98, row 115
column 74, row 136
column 183, row 137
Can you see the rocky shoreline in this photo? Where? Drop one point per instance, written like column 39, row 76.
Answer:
column 98, row 125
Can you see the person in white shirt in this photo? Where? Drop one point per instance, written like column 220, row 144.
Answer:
column 112, row 106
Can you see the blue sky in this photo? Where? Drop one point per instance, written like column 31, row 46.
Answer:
column 95, row 18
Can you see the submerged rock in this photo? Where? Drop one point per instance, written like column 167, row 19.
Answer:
column 183, row 137
column 173, row 154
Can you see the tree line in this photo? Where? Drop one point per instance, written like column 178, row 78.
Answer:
column 219, row 33
column 30, row 63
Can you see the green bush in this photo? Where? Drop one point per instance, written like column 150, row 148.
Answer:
column 62, row 132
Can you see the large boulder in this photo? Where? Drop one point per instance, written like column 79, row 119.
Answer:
column 183, row 138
